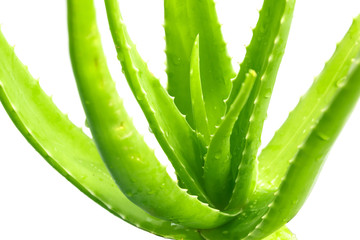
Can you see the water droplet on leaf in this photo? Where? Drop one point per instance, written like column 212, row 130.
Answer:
column 121, row 57
column 150, row 129
column 87, row 123
column 267, row 93
column 341, row 82
column 177, row 61
column 323, row 136
column 140, row 97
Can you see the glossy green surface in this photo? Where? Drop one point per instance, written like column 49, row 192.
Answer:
column 225, row 190
column 131, row 162
column 197, row 100
column 275, row 202
column 67, row 148
column 217, row 160
column 170, row 129
column 184, row 20
column 310, row 108
column 263, row 55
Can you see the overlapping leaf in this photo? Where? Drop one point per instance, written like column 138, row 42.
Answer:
column 285, row 180
column 263, row 55
column 217, row 160
column 197, row 97
column 260, row 198
column 169, row 126
column 65, row 147
column 184, row 20
column 131, row 162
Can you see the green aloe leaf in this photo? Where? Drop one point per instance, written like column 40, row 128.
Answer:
column 332, row 104
column 282, row 234
column 292, row 134
column 305, row 166
column 131, row 162
column 184, row 20
column 208, row 124
column 66, row 148
column 330, row 100
column 217, row 160
column 175, row 136
column 263, row 55
column 197, row 98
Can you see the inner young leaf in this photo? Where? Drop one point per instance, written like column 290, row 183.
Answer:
column 184, row 20
column 217, row 175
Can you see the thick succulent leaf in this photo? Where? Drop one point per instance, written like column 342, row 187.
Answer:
column 245, row 222
column 184, row 20
column 263, row 55
column 292, row 134
column 282, row 234
column 67, row 148
column 217, row 160
column 306, row 164
column 169, row 126
column 276, row 202
column 197, row 99
column 131, row 162
column 180, row 34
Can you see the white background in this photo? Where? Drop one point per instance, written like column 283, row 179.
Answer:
column 37, row 203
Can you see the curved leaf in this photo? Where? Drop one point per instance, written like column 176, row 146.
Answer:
column 282, row 234
column 263, row 55
column 66, row 148
column 131, row 162
column 184, row 20
column 295, row 130
column 175, row 136
column 197, row 99
column 217, row 175
column 338, row 98
column 306, row 164
column 276, row 202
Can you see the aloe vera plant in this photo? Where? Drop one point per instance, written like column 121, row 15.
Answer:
column 230, row 194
